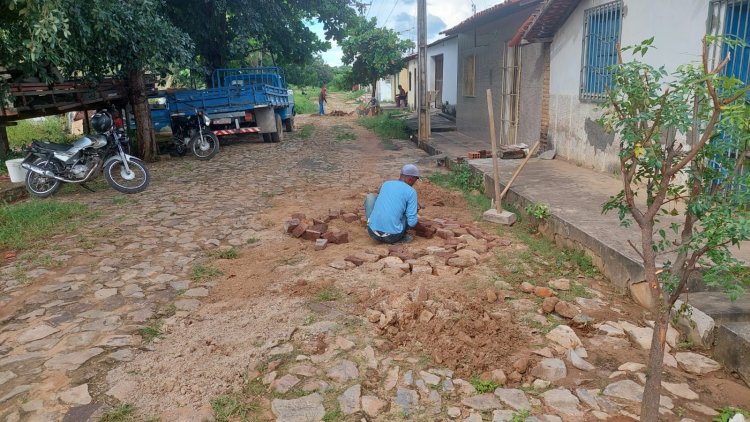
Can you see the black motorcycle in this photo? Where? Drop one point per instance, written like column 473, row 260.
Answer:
column 193, row 133
column 51, row 164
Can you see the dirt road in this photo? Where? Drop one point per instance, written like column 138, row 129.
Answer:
column 189, row 302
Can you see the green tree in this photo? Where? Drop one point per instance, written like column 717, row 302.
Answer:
column 373, row 52
column 683, row 142
column 313, row 73
column 57, row 39
column 234, row 33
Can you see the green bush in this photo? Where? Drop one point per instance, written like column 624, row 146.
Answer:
column 305, row 103
column 51, row 129
column 386, row 126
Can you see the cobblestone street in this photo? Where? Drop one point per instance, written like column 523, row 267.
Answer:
column 189, row 302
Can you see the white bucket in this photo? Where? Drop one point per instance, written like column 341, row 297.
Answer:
column 16, row 173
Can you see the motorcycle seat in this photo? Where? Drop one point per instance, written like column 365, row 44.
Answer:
column 51, row 146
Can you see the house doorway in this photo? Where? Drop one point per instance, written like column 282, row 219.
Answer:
column 438, row 79
column 510, row 90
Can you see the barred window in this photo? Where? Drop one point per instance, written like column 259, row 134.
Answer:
column 602, row 25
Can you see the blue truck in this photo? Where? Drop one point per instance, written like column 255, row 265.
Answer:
column 242, row 100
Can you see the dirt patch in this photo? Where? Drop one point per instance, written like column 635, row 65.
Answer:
column 457, row 331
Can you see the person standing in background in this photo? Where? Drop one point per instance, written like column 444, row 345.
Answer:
column 322, row 99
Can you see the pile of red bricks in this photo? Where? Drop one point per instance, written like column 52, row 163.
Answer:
column 317, row 230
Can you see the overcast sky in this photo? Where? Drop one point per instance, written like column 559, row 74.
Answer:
column 401, row 16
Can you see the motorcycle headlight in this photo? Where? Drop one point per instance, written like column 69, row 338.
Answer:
column 206, row 120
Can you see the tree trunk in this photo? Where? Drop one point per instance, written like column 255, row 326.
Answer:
column 4, row 144
column 651, row 394
column 374, row 87
column 143, row 124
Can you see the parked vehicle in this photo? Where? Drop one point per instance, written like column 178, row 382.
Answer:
column 50, row 164
column 245, row 100
column 192, row 133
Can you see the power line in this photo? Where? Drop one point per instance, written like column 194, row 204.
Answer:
column 391, row 12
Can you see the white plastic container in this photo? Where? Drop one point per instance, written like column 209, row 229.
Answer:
column 16, row 173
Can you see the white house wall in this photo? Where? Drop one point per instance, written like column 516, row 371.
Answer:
column 449, row 50
column 678, row 27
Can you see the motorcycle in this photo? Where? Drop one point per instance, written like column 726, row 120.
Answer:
column 51, row 164
column 192, row 133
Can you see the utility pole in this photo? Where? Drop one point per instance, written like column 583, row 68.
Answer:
column 424, row 104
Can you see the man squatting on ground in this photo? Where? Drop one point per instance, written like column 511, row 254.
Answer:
column 394, row 210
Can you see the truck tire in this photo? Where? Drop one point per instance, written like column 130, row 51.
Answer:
column 289, row 124
column 278, row 136
column 266, row 137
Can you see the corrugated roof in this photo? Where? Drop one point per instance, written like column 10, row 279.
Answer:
column 488, row 15
column 548, row 18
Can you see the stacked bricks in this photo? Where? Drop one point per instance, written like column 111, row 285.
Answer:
column 318, row 231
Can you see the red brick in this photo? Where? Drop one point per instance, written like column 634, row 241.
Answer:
column 334, row 214
column 336, row 237
column 543, row 291
column 317, row 221
column 475, row 232
column 396, row 248
column 290, row 225
column 445, row 234
column 454, row 241
column 320, row 244
column 354, row 260
column 426, row 232
column 311, row 234
column 341, row 237
column 321, row 227
column 404, row 255
column 299, row 216
column 299, row 230
column 350, row 217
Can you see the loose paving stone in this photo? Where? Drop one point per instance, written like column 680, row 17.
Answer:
column 349, row 402
column 345, row 371
column 453, row 412
column 429, row 378
column 197, row 292
column 373, row 405
column 6, row 376
column 626, row 390
column 187, row 304
column 435, row 402
column 464, row 387
column 304, row 409
column 33, row 406
column 405, row 401
column 344, row 343
column 474, row 417
column 695, row 363
column 503, row 415
column 588, row 397
column 563, row 402
column 560, row 284
column 105, row 293
column 19, row 389
column 513, row 397
column 681, row 390
column 71, row 361
column 578, row 362
column 482, row 402
column 391, row 379
column 631, row 367
column 448, row 385
column 641, row 336
column 77, row 395
column 285, row 383
column 36, row 333
column 550, row 369
column 697, row 407
column 408, row 378
column 122, row 355
column 303, row 370
column 564, row 336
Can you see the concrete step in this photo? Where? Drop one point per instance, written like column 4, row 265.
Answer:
column 732, row 348
column 718, row 306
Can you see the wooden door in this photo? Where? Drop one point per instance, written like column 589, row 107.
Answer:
column 438, row 80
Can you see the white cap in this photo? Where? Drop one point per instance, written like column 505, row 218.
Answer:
column 410, row 170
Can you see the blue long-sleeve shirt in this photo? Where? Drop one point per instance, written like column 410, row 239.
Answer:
column 396, row 203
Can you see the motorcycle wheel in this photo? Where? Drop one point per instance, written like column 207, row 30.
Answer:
column 135, row 182
column 39, row 185
column 209, row 148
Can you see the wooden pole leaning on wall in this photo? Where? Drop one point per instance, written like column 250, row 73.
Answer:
column 518, row 170
column 496, row 214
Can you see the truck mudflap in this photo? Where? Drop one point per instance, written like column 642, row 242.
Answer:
column 236, row 131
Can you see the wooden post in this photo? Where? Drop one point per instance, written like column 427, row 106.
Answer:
column 495, row 168
column 4, row 143
column 86, row 123
column 518, row 170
